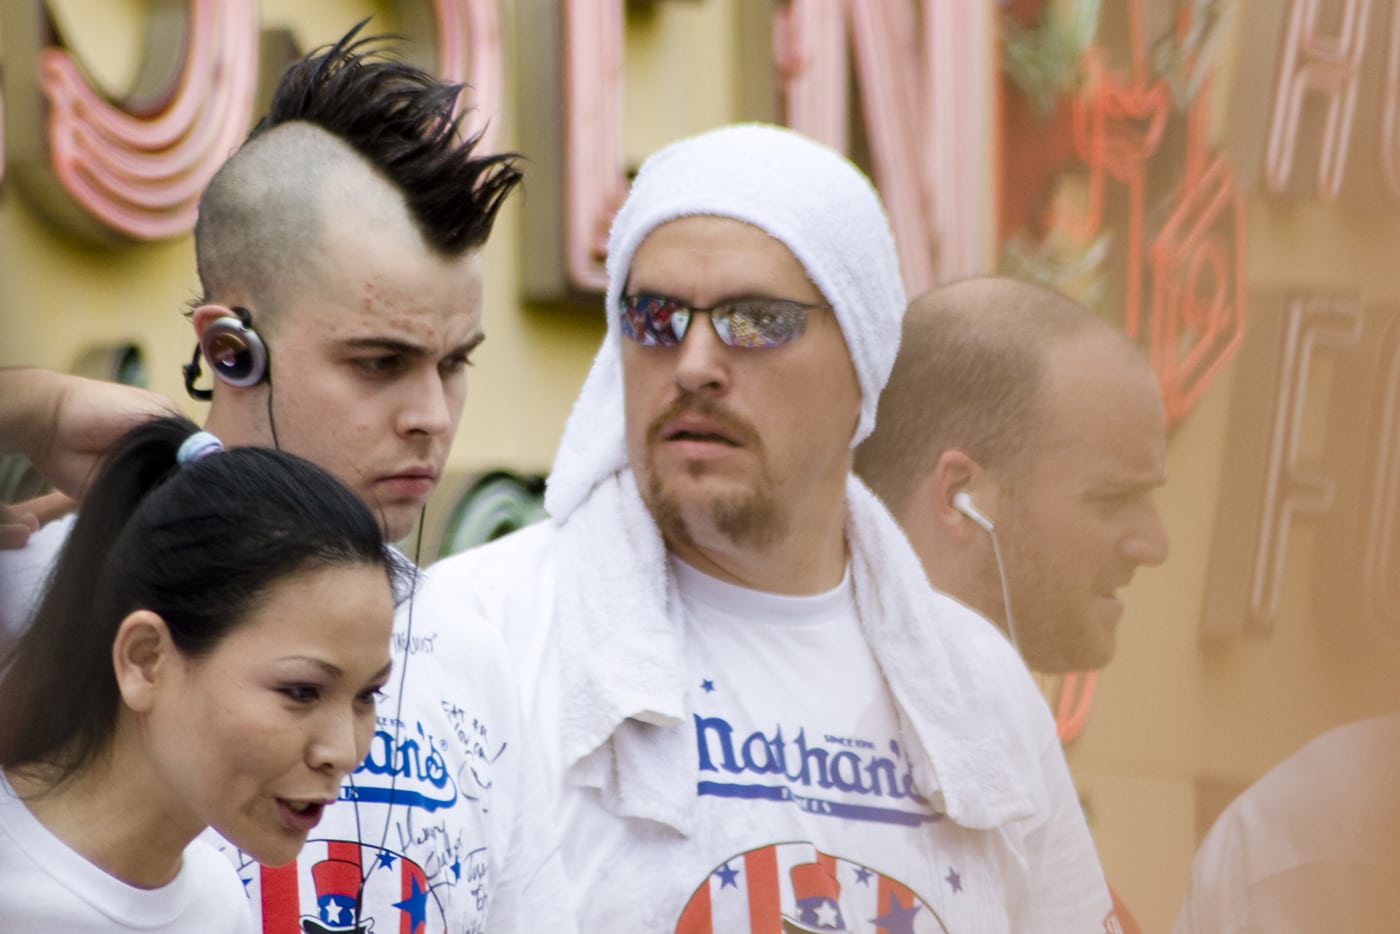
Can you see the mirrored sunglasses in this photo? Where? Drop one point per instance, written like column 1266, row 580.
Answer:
column 744, row 322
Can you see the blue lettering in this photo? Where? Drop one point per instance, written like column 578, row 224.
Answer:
column 409, row 748
column 724, row 732
column 435, row 769
column 845, row 772
column 379, row 760
column 909, row 788
column 879, row 765
column 760, row 743
column 848, row 741
column 406, row 760
column 830, row 762
column 807, row 757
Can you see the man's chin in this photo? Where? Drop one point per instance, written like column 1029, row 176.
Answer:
column 745, row 518
column 398, row 523
column 1057, row 662
column 1087, row 649
column 1098, row 651
column 670, row 516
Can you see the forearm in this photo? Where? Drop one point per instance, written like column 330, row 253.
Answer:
column 66, row 424
column 29, row 402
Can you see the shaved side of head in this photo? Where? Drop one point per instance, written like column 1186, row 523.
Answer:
column 352, row 138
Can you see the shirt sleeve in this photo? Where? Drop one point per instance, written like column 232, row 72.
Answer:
column 1218, row 882
column 1065, row 889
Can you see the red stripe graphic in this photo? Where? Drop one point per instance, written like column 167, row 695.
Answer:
column 765, row 902
column 344, row 851
column 412, row 872
column 828, row 864
column 696, row 918
column 281, row 900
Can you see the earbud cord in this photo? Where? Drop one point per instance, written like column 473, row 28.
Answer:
column 1005, row 590
column 398, row 721
column 403, row 675
column 271, row 419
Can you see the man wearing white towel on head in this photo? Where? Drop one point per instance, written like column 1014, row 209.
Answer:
column 757, row 713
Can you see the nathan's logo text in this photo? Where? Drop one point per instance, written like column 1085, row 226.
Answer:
column 795, row 770
column 414, row 766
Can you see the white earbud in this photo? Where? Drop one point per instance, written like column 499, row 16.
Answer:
column 962, row 502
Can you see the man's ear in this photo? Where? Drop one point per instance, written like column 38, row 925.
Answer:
column 954, row 472
column 205, row 315
column 143, row 656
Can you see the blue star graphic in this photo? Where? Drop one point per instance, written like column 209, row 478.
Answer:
column 415, row 906
column 897, row 919
column 386, row 860
column 954, row 879
column 727, row 877
column 456, row 869
column 863, row 875
column 707, row 686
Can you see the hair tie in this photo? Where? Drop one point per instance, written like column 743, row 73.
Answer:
column 197, row 447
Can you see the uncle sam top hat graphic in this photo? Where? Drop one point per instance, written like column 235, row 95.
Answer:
column 337, row 891
column 818, row 896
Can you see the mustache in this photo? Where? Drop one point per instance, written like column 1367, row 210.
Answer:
column 734, row 426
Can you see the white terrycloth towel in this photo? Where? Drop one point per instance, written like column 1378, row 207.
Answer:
column 801, row 193
column 626, row 733
column 623, row 668
column 619, row 618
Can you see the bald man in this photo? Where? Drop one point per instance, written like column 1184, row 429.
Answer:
column 1017, row 420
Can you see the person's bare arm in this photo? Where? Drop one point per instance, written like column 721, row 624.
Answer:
column 65, row 424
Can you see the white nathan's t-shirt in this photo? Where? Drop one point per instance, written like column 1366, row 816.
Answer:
column 438, row 830
column 809, row 819
column 801, row 796
column 47, row 886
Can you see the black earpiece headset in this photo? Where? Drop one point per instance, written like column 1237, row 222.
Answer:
column 236, row 354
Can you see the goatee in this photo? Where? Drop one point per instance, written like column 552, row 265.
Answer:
column 749, row 519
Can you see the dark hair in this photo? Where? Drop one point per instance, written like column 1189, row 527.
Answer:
column 262, row 216
column 199, row 545
column 400, row 119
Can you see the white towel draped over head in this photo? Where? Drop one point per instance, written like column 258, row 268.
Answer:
column 618, row 619
column 802, row 193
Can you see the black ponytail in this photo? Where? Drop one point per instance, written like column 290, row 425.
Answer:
column 198, row 544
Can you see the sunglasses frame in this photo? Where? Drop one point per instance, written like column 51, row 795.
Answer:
column 667, row 332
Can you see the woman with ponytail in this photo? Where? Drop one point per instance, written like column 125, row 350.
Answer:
column 208, row 653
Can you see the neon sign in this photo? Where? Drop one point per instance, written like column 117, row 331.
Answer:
column 136, row 167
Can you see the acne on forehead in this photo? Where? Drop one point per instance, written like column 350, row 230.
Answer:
column 390, row 268
column 369, row 292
